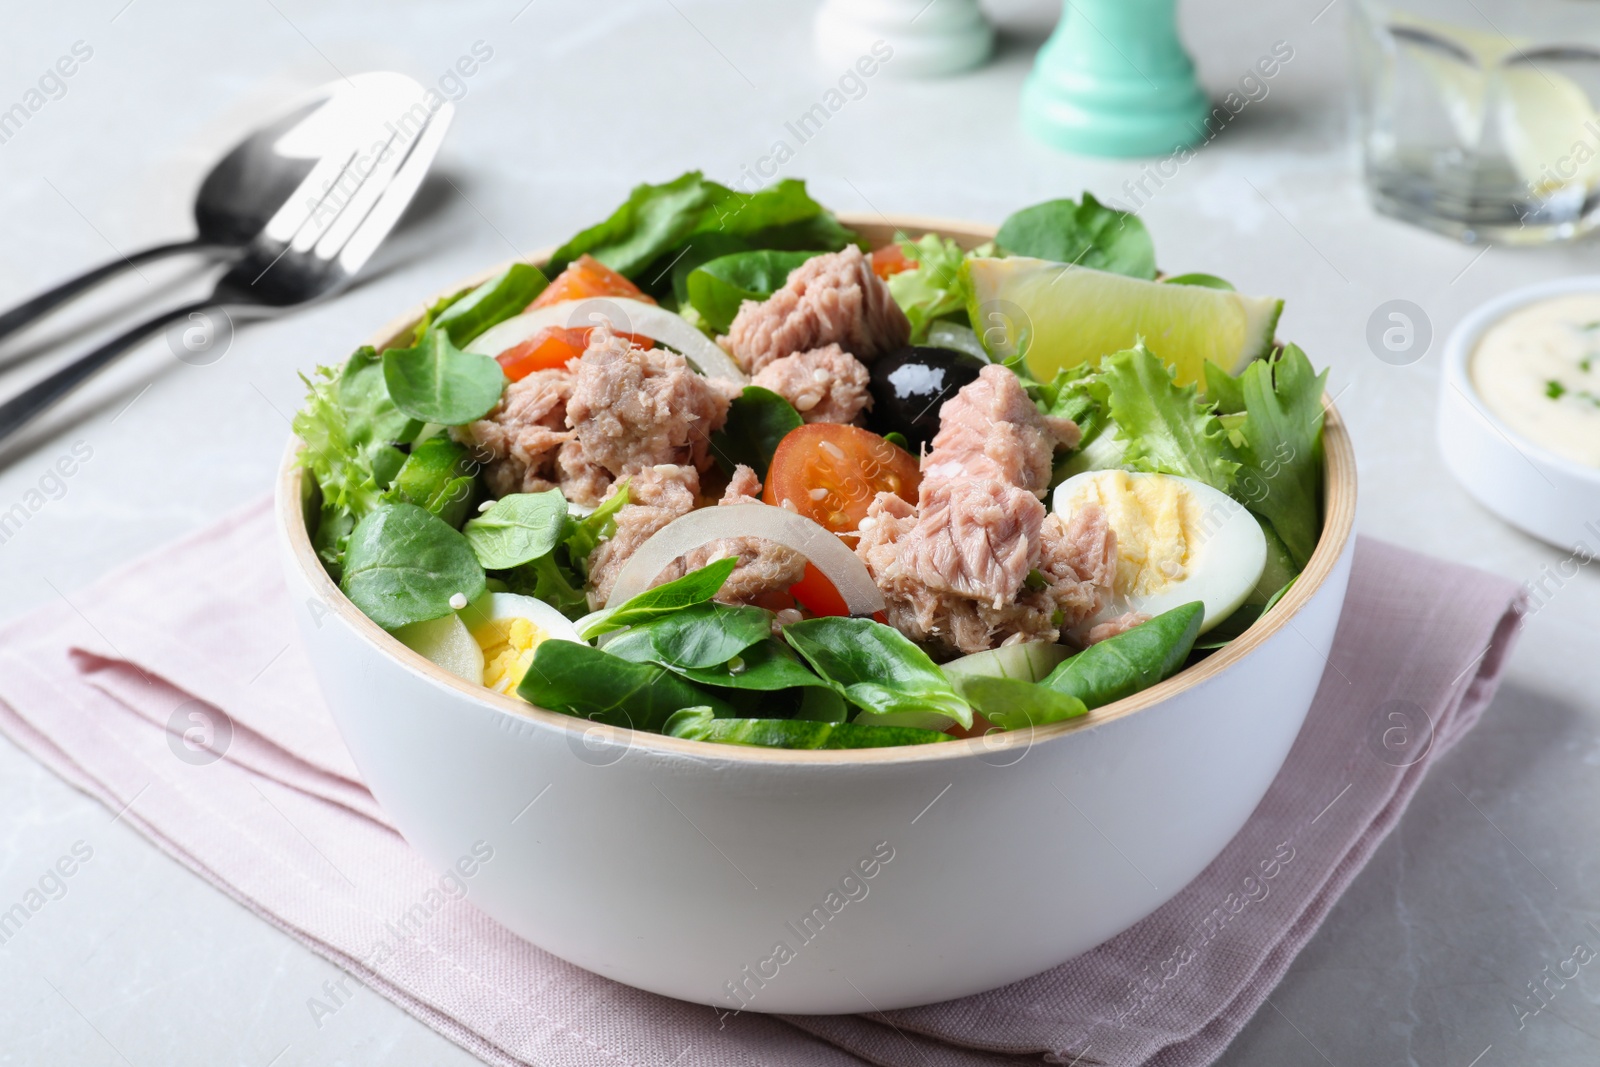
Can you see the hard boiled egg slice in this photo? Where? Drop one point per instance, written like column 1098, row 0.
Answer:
column 1178, row 540
column 508, row 629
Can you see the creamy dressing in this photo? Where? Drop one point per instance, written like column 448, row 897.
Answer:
column 1538, row 370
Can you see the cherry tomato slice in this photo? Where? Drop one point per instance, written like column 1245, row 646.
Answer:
column 817, row 595
column 587, row 277
column 552, row 347
column 830, row 473
column 891, row 259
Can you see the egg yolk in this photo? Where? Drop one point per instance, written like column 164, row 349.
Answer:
column 508, row 646
column 1159, row 526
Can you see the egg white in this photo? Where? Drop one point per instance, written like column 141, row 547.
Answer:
column 1223, row 564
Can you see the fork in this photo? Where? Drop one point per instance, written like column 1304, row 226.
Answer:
column 313, row 247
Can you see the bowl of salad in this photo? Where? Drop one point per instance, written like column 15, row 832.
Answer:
column 815, row 613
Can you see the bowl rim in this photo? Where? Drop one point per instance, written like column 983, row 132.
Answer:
column 1339, row 507
column 1462, row 344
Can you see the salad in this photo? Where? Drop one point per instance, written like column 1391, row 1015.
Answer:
column 724, row 471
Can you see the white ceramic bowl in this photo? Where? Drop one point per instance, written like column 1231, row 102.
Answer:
column 1551, row 497
column 889, row 877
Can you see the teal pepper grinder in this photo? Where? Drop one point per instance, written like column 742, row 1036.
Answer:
column 1114, row 80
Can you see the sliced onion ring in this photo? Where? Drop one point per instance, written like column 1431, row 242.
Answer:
column 685, row 534
column 623, row 316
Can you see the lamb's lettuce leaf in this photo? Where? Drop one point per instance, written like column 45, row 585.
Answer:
column 1088, row 234
column 716, row 289
column 518, row 529
column 404, row 565
column 696, row 587
column 472, row 311
column 590, row 684
column 701, row 724
column 757, row 420
column 891, row 680
column 437, row 382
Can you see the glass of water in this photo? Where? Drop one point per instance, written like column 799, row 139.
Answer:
column 1478, row 118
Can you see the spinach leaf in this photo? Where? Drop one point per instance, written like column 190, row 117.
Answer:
column 1165, row 427
column 757, row 420
column 821, row 703
column 587, row 533
column 699, row 724
column 438, row 475
column 658, row 222
column 590, row 684
column 504, row 296
column 1088, row 234
column 880, row 671
column 696, row 587
column 518, row 529
column 1136, row 659
column 1011, row 703
column 404, row 565
column 1281, row 479
column 437, row 382
column 717, row 288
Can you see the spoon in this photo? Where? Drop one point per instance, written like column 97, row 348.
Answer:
column 249, row 184
column 309, row 249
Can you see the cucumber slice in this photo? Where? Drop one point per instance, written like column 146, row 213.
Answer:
column 447, row 642
column 698, row 724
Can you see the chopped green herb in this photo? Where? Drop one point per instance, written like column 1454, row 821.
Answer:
column 1554, row 389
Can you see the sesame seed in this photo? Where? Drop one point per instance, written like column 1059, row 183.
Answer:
column 819, row 494
column 458, row 601
column 806, row 401
column 866, row 523
column 486, row 505
column 819, row 375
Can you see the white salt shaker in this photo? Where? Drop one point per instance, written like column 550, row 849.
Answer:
column 924, row 38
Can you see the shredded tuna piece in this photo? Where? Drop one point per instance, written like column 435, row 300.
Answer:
column 990, row 429
column 824, row 385
column 765, row 570
column 656, row 496
column 580, row 480
column 518, row 439
column 1119, row 625
column 743, row 488
column 954, row 570
column 828, row 299
column 633, row 408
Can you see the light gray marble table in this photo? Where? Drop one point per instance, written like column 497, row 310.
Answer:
column 1491, row 877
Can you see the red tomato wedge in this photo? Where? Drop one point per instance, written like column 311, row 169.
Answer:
column 891, row 259
column 552, row 347
column 830, row 473
column 587, row 277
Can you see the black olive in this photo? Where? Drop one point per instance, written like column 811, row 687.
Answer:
column 909, row 386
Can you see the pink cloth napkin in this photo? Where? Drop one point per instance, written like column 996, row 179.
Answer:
column 103, row 688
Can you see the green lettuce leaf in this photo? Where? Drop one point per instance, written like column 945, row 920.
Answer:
column 936, row 287
column 659, row 222
column 1281, row 476
column 1166, row 427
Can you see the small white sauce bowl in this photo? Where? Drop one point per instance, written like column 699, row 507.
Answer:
column 1549, row 496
